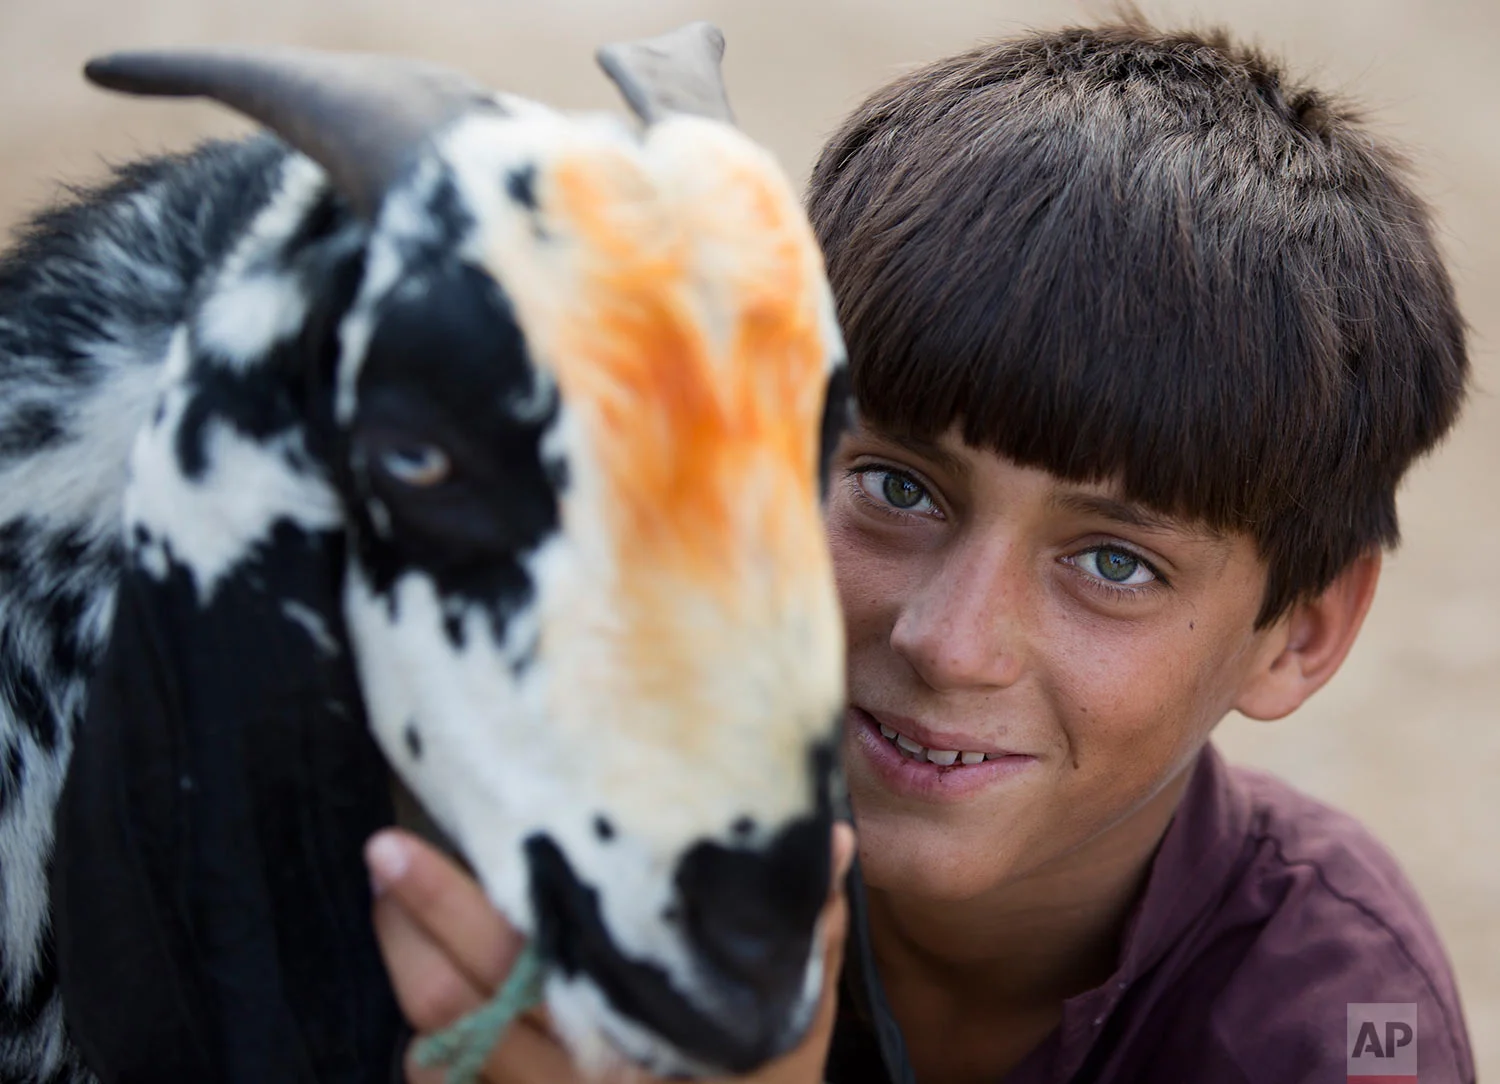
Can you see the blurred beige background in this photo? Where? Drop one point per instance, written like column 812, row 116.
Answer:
column 1407, row 736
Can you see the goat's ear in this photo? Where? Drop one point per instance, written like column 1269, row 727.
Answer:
column 677, row 72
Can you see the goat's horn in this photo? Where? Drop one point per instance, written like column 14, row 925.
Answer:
column 363, row 118
column 677, row 72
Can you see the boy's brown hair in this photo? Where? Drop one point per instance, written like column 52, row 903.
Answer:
column 1119, row 253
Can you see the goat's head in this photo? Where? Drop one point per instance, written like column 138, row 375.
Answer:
column 567, row 388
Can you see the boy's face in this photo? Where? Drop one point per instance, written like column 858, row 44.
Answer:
column 1086, row 645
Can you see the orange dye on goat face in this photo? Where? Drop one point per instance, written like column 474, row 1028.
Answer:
column 670, row 286
column 698, row 351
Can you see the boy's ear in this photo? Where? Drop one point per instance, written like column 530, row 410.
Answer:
column 1307, row 646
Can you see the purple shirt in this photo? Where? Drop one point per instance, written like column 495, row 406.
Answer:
column 1265, row 916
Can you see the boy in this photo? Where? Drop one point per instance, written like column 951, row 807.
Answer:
column 1142, row 341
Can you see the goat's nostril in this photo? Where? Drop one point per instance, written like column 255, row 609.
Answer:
column 750, row 912
column 759, row 957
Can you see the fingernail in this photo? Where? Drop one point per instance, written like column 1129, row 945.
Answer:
column 386, row 856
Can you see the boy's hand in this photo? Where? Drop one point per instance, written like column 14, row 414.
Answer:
column 447, row 951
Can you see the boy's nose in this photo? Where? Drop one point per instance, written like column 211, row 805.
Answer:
column 961, row 628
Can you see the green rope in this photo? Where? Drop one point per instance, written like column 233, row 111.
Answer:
column 465, row 1046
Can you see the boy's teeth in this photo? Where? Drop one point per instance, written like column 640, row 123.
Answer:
column 942, row 757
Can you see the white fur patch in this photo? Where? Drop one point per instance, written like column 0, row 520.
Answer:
column 401, row 225
column 212, row 524
column 474, row 715
column 244, row 317
column 252, row 304
column 77, row 481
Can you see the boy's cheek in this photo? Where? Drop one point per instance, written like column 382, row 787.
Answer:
column 1131, row 728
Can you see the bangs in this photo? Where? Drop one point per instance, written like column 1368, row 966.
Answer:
column 1077, row 312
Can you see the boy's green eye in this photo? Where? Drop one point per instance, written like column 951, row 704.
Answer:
column 1115, row 566
column 901, row 491
column 893, row 490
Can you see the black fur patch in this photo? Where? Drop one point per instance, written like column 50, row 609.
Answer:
column 13, row 536
column 24, row 691
column 12, row 772
column 413, row 741
column 520, row 185
column 448, row 212
column 750, row 910
column 63, row 610
column 328, row 215
column 453, row 628
column 29, row 428
column 603, row 828
column 558, row 474
column 244, row 398
column 443, row 362
column 65, row 550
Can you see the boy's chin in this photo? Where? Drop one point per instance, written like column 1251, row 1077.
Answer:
column 942, row 862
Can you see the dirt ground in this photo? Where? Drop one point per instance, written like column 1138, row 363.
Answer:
column 1406, row 736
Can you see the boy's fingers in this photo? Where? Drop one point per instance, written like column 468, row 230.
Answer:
column 446, row 903
column 429, row 987
column 836, row 926
column 844, row 845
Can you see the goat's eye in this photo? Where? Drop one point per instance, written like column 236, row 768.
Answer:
column 416, row 464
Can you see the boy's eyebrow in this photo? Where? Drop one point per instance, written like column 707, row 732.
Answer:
column 931, row 450
column 1129, row 513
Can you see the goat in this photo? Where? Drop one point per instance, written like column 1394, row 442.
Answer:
column 439, row 416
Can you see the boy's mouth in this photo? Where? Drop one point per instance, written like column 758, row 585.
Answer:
column 943, row 758
column 930, row 772
column 936, row 751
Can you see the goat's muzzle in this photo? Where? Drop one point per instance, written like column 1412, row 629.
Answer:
column 747, row 915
